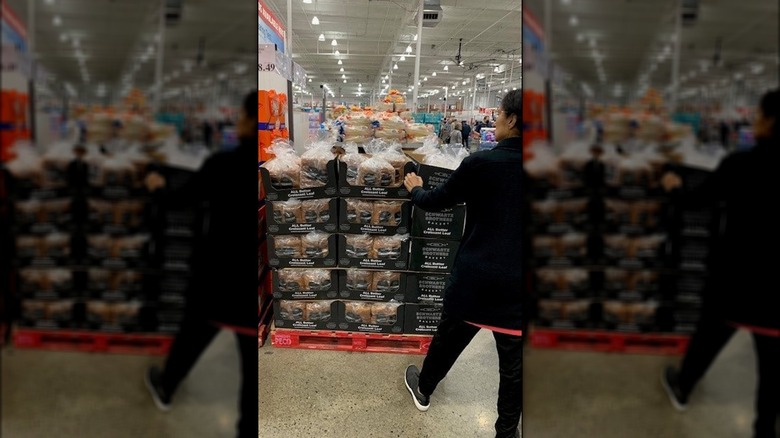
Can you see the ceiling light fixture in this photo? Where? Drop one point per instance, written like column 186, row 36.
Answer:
column 340, row 63
column 315, row 21
column 56, row 20
column 415, row 37
column 395, row 67
column 433, row 74
column 341, row 70
column 309, row 80
column 425, row 79
column 322, row 37
column 409, row 48
column 343, row 76
column 334, row 43
column 446, row 68
column 573, row 20
column 345, row 81
column 308, row 2
column 403, row 58
column 63, row 37
column 337, row 53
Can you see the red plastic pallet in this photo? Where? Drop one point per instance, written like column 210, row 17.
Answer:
column 66, row 340
column 606, row 341
column 265, row 323
column 351, row 341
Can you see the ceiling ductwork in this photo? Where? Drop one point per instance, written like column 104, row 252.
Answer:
column 432, row 13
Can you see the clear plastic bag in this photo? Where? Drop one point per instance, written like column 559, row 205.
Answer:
column 285, row 168
column 314, row 164
column 387, row 213
column 447, row 158
column 384, row 313
column 359, row 280
column 292, row 310
column 376, row 172
column 359, row 211
column 386, row 281
column 315, row 211
column 288, row 212
column 317, row 280
column 388, row 247
column 318, row 310
column 358, row 245
column 315, row 244
column 353, row 158
column 357, row 312
column 288, row 246
column 291, row 280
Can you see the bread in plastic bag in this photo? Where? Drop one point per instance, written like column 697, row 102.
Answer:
column 353, row 159
column 358, row 245
column 387, row 213
column 376, row 172
column 314, row 164
column 317, row 280
column 288, row 246
column 288, row 212
column 384, row 313
column 315, row 244
column 359, row 280
column 359, row 211
column 357, row 312
column 387, row 247
column 386, row 281
column 318, row 310
column 292, row 310
column 291, row 280
column 315, row 211
column 285, row 168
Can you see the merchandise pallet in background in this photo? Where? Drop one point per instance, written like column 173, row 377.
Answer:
column 615, row 261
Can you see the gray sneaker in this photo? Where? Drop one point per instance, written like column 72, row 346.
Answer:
column 670, row 381
column 412, row 381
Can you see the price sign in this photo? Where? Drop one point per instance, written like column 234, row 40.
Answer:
column 266, row 58
column 266, row 67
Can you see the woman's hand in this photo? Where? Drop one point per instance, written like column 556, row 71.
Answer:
column 154, row 181
column 671, row 181
column 411, row 180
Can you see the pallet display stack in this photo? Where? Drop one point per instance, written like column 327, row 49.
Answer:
column 82, row 249
column 611, row 270
column 346, row 274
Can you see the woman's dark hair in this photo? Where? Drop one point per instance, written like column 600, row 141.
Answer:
column 250, row 105
column 770, row 108
column 512, row 103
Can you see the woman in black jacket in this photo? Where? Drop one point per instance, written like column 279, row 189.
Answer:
column 742, row 291
column 224, row 268
column 485, row 285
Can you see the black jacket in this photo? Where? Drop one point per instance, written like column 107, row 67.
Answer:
column 466, row 131
column 224, row 261
column 486, row 282
column 743, row 285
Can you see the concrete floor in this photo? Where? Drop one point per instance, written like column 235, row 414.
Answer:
column 568, row 394
column 85, row 395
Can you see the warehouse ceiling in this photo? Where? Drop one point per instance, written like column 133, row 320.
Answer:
column 372, row 35
column 730, row 42
column 116, row 39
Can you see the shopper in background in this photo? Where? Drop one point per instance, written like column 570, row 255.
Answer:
column 445, row 130
column 485, row 286
column 466, row 133
column 456, row 137
column 742, row 291
column 224, row 263
column 208, row 133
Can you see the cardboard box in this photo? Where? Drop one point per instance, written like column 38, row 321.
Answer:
column 376, row 287
column 347, row 190
column 306, row 314
column 371, row 317
column 447, row 224
column 327, row 191
column 299, row 284
column 372, row 225
column 326, row 221
column 421, row 319
column 433, row 255
column 433, row 176
column 276, row 261
column 397, row 264
column 426, row 288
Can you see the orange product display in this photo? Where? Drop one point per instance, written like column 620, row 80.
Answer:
column 272, row 116
column 14, row 124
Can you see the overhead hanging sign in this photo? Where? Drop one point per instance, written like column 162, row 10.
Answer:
column 534, row 57
column 13, row 30
column 270, row 29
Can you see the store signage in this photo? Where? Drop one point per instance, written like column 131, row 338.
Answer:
column 13, row 31
column 266, row 58
column 270, row 29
